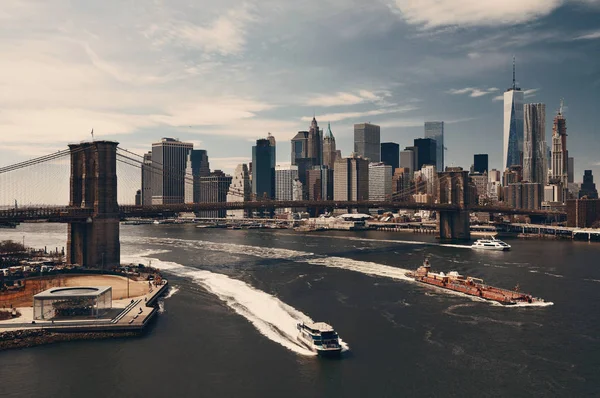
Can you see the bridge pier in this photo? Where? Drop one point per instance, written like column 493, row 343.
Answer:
column 454, row 188
column 454, row 224
column 93, row 185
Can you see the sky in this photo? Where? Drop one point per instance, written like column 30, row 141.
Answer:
column 223, row 73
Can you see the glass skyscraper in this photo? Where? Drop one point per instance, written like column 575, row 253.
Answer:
column 367, row 141
column 513, row 125
column 435, row 131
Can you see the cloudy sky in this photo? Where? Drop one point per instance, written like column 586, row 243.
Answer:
column 222, row 73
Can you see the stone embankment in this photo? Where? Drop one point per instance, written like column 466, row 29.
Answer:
column 30, row 338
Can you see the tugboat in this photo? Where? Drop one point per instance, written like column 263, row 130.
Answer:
column 490, row 243
column 471, row 286
column 320, row 337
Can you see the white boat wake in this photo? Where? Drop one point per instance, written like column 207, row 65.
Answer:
column 364, row 267
column 273, row 318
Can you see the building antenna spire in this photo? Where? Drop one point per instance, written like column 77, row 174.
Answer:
column 514, row 75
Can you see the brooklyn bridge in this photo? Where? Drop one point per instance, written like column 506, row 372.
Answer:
column 93, row 212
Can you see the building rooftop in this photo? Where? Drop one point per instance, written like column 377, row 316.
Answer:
column 70, row 292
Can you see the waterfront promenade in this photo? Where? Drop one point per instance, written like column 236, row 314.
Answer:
column 127, row 314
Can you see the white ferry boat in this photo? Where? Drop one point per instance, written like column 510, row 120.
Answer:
column 319, row 337
column 490, row 243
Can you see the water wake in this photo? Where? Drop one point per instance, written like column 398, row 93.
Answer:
column 172, row 291
column 364, row 267
column 270, row 316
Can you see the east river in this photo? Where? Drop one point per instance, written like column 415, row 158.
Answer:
column 227, row 328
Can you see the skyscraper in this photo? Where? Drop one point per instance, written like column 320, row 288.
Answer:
column 480, row 163
column 426, row 152
column 408, row 159
column 513, row 124
column 329, row 150
column 197, row 166
column 169, row 158
column 588, row 188
column 571, row 171
column 263, row 169
column 367, row 141
column 147, row 172
column 435, row 131
column 351, row 178
column 307, row 150
column 380, row 181
column 213, row 188
column 390, row 154
column 560, row 155
column 320, row 183
column 240, row 190
column 284, row 181
column 534, row 145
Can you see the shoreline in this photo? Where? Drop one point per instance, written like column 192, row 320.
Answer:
column 25, row 338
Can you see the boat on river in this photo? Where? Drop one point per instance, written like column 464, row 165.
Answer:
column 471, row 286
column 320, row 337
column 490, row 243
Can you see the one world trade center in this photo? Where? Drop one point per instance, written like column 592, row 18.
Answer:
column 513, row 124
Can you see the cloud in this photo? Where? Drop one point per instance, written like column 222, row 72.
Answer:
column 589, row 36
column 473, row 91
column 347, row 98
column 226, row 35
column 526, row 94
column 437, row 13
column 335, row 117
column 530, row 92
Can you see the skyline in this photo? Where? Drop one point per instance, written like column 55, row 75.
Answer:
column 249, row 69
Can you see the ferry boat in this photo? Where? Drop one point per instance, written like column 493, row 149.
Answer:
column 320, row 337
column 471, row 286
column 490, row 243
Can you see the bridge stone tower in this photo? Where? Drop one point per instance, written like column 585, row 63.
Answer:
column 93, row 186
column 454, row 188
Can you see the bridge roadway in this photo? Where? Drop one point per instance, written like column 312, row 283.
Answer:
column 75, row 214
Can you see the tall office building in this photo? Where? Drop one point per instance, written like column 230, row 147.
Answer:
column 351, row 178
column 480, row 163
column 197, row 166
column 329, row 150
column 367, row 141
column 534, row 146
column 426, row 152
column 588, row 188
column 284, row 181
column 169, row 158
column 390, row 154
column 426, row 180
column 435, row 131
column 320, row 183
column 263, row 169
column 307, row 150
column 560, row 156
column 147, row 172
column 524, row 195
column 571, row 171
column 401, row 184
column 380, row 181
column 409, row 159
column 513, row 125
column 239, row 190
column 213, row 188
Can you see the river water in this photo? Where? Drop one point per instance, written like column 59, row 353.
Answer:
column 228, row 327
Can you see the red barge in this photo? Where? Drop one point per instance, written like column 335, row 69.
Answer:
column 471, row 286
